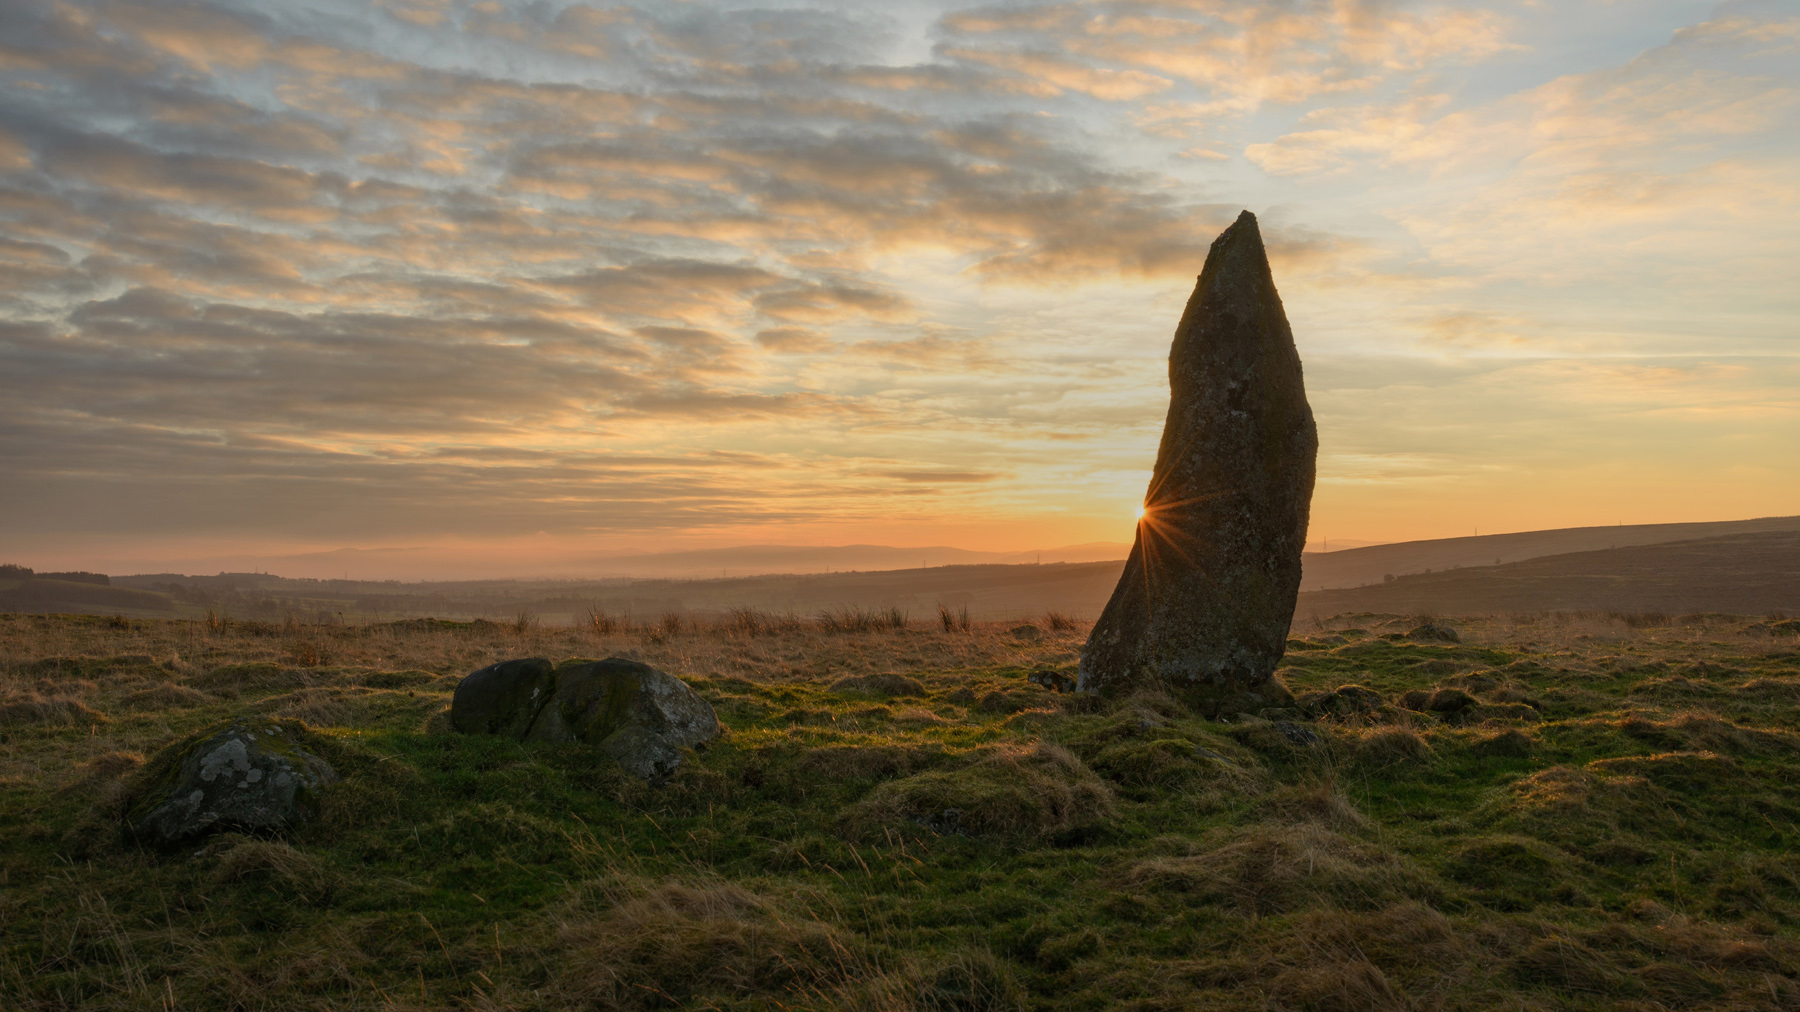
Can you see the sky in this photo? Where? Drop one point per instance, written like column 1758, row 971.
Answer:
column 526, row 283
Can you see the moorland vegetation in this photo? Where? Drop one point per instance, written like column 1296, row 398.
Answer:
column 1557, row 811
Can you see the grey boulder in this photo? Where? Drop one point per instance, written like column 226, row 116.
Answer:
column 245, row 776
column 503, row 698
column 640, row 716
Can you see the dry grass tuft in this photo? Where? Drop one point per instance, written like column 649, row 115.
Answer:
column 166, row 697
column 883, row 684
column 1324, row 804
column 860, row 620
column 969, row 980
column 36, row 708
column 1033, row 790
column 1388, row 745
column 111, row 766
column 1276, row 868
column 1508, row 744
column 1562, row 962
column 680, row 944
column 868, row 762
column 350, row 706
column 1352, row 985
column 747, row 622
column 272, row 864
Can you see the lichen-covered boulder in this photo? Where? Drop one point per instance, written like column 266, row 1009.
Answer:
column 639, row 715
column 248, row 776
column 503, row 698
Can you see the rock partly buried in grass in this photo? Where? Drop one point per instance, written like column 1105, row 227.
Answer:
column 1450, row 701
column 639, row 715
column 1207, row 596
column 1433, row 632
column 1342, row 701
column 1051, row 679
column 884, row 684
column 257, row 777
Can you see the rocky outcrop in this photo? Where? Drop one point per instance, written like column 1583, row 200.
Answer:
column 1204, row 604
column 639, row 715
column 257, row 777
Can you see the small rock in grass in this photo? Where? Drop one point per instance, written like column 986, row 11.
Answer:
column 253, row 777
column 1055, row 681
column 1001, row 702
column 1449, row 701
column 1433, row 632
column 1297, row 734
column 945, row 823
column 1418, row 700
column 884, row 684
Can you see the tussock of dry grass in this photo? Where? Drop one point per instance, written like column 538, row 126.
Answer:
column 674, row 943
column 1281, row 867
column 1029, row 791
column 37, row 708
column 166, row 697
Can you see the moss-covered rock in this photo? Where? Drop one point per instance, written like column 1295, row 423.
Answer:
column 639, row 715
column 503, row 698
column 249, row 776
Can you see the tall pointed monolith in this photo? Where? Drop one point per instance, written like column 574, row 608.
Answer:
column 1205, row 602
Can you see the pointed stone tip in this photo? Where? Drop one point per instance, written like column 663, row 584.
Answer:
column 1236, row 257
column 1244, row 225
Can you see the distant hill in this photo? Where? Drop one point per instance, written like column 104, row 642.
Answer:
column 1746, row 566
column 1741, row 574
column 451, row 565
column 1359, row 566
column 86, row 596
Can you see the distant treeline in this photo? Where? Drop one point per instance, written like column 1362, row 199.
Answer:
column 8, row 571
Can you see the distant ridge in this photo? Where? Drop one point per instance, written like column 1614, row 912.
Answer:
column 1750, row 573
column 438, row 564
column 1356, row 567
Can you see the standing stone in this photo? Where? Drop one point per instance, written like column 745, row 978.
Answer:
column 1205, row 602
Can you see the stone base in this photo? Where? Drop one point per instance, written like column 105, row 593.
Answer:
column 1216, row 702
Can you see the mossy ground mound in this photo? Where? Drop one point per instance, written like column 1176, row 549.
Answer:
column 1628, row 844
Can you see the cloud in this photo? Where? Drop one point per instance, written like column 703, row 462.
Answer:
column 1281, row 53
column 793, row 340
column 437, row 266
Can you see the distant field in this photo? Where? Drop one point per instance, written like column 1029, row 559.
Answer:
column 1606, row 816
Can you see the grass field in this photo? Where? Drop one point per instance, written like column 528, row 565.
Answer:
column 898, row 819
